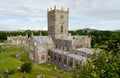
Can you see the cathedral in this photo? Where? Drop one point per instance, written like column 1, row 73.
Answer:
column 59, row 47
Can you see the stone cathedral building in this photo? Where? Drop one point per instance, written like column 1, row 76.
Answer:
column 59, row 47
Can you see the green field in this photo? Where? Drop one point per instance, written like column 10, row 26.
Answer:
column 12, row 57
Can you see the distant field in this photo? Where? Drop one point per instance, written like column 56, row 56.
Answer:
column 12, row 57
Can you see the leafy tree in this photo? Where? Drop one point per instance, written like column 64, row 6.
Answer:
column 105, row 65
column 26, row 67
column 114, row 36
column 98, row 37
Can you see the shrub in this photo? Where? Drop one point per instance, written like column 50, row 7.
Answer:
column 13, row 55
column 10, row 72
column 26, row 67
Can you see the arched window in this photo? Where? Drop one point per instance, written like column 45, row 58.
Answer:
column 65, row 60
column 70, row 62
column 43, row 57
column 62, row 17
column 67, row 49
column 61, row 29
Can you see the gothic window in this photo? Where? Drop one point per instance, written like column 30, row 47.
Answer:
column 70, row 62
column 48, row 59
column 59, row 58
column 65, row 61
column 76, row 63
column 49, row 52
column 62, row 17
column 52, row 17
column 55, row 57
column 61, row 29
column 67, row 49
column 56, row 46
column 43, row 57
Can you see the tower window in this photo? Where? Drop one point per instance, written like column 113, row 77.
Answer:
column 61, row 29
column 50, row 16
column 62, row 16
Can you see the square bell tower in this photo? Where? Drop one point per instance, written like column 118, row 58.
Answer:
column 58, row 22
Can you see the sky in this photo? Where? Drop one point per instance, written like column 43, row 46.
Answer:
column 32, row 14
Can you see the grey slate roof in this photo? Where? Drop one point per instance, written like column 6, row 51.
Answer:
column 43, row 40
column 59, row 51
column 86, row 50
column 72, row 37
column 75, row 56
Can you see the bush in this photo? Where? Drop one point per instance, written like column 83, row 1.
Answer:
column 10, row 72
column 13, row 55
column 26, row 67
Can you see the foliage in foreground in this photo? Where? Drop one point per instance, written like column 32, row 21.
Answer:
column 106, row 65
column 26, row 67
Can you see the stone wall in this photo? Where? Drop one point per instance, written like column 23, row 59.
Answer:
column 17, row 40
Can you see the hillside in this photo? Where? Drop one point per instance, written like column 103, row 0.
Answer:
column 10, row 62
column 88, row 29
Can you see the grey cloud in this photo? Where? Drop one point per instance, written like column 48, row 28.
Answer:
column 22, row 7
column 98, row 9
column 103, row 14
column 35, row 11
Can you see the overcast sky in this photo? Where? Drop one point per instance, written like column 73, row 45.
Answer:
column 32, row 14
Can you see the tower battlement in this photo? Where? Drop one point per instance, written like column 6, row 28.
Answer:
column 52, row 10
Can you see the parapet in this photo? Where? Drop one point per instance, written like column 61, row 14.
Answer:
column 51, row 10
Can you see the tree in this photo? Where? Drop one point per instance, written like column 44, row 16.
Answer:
column 105, row 65
column 26, row 67
column 114, row 36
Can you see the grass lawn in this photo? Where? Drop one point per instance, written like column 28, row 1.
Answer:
column 45, row 70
